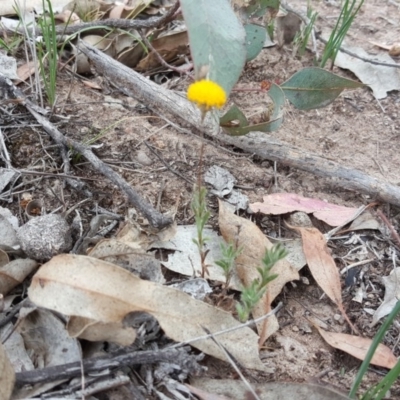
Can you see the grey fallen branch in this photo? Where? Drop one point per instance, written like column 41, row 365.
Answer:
column 126, row 24
column 265, row 146
column 70, row 370
column 156, row 219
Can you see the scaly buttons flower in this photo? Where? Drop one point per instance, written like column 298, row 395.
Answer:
column 206, row 94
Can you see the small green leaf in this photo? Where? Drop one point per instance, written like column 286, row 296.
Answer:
column 257, row 8
column 314, row 88
column 278, row 97
column 233, row 115
column 242, row 126
column 255, row 39
column 217, row 40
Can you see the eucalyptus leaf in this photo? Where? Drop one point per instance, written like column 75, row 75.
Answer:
column 315, row 87
column 235, row 123
column 255, row 39
column 217, row 40
column 257, row 8
column 233, row 115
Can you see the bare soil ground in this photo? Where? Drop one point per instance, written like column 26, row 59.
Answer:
column 356, row 131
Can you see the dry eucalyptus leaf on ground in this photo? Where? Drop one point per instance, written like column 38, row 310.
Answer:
column 358, row 347
column 87, row 287
column 15, row 349
column 7, row 376
column 237, row 390
column 146, row 266
column 89, row 329
column 392, row 293
column 379, row 78
column 282, row 203
column 15, row 272
column 186, row 260
column 8, row 235
column 322, row 266
column 248, row 236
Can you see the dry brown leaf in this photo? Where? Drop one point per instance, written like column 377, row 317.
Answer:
column 91, row 85
column 89, row 329
column 392, row 292
column 322, row 266
column 204, row 395
column 26, row 70
column 15, row 272
column 394, row 49
column 7, row 376
column 248, row 236
column 282, row 203
column 358, row 347
column 238, row 390
column 168, row 47
column 87, row 287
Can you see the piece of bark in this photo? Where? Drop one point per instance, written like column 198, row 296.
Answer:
column 263, row 145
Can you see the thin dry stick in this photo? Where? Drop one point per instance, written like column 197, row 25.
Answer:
column 233, row 364
column 154, row 217
column 393, row 231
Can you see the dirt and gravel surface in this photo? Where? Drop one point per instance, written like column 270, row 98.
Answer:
column 356, row 131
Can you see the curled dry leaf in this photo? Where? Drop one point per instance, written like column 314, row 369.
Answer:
column 322, row 266
column 392, row 293
column 14, row 273
column 7, row 376
column 282, row 203
column 248, row 236
column 358, row 347
column 94, row 331
column 87, row 287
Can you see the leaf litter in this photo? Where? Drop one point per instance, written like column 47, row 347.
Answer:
column 142, row 248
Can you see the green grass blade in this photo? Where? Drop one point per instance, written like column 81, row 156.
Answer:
column 375, row 343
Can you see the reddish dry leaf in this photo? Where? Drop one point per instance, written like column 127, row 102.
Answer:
column 358, row 347
column 322, row 266
column 282, row 203
column 248, row 236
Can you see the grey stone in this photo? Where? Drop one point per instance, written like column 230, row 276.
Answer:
column 44, row 237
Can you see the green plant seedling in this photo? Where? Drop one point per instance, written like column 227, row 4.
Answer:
column 47, row 50
column 201, row 217
column 253, row 293
column 301, row 39
column 227, row 262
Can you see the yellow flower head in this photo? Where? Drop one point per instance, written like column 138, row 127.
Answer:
column 206, row 94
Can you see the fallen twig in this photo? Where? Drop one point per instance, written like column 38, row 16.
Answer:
column 71, row 370
column 261, row 144
column 154, row 217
